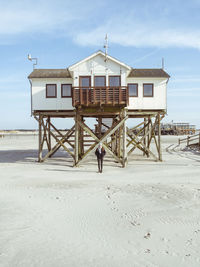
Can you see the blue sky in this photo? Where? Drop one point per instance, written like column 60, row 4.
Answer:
column 60, row 33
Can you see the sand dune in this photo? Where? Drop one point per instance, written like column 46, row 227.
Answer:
column 54, row 215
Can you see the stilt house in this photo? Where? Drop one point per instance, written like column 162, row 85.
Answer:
column 105, row 88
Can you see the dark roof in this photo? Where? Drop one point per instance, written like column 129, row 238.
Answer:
column 157, row 73
column 50, row 73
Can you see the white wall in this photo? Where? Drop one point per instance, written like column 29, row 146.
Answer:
column 97, row 66
column 158, row 101
column 39, row 100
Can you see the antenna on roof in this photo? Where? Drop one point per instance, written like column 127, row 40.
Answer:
column 31, row 59
column 106, row 46
column 163, row 63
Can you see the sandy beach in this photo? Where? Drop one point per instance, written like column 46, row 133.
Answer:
column 51, row 214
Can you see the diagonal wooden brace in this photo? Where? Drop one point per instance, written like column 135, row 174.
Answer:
column 102, row 139
column 139, row 143
column 58, row 145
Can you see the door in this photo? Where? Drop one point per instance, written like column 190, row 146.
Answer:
column 114, row 88
column 85, row 89
column 99, row 94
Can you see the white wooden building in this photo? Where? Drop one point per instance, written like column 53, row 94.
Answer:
column 54, row 89
column 99, row 86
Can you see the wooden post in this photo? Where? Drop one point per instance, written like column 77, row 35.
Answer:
column 124, row 140
column 40, row 138
column 76, row 141
column 149, row 134
column 188, row 140
column 199, row 139
column 159, row 139
column 81, row 141
column 49, row 135
column 99, row 126
column 119, row 142
column 113, row 139
column 144, row 133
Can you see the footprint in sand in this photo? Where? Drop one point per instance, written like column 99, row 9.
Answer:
column 147, row 236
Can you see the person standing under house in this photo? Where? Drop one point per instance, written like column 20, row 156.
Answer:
column 100, row 153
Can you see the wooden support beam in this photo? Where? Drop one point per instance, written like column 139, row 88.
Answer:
column 49, row 135
column 81, row 139
column 61, row 142
column 154, row 136
column 99, row 126
column 61, row 135
column 132, row 135
column 116, row 140
column 102, row 140
column 76, row 152
column 144, row 132
column 119, row 139
column 159, row 138
column 40, row 138
column 124, row 140
column 135, row 127
column 153, row 126
column 45, row 134
column 58, row 145
column 148, row 136
column 140, row 144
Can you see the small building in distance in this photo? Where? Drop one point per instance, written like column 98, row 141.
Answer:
column 178, row 128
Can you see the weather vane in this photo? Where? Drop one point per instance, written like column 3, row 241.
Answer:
column 31, row 59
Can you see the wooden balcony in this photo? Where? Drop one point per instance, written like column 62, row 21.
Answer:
column 91, row 96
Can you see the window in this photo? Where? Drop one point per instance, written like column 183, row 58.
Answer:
column 85, row 81
column 100, row 81
column 51, row 91
column 114, row 81
column 148, row 89
column 66, row 90
column 133, row 89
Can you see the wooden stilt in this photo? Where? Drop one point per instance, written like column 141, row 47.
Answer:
column 149, row 135
column 81, row 138
column 144, row 133
column 110, row 132
column 139, row 142
column 59, row 144
column 49, row 135
column 124, row 141
column 118, row 140
column 99, row 126
column 159, row 138
column 40, row 138
column 76, row 152
column 113, row 139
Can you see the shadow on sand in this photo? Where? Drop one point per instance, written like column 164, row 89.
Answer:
column 61, row 158
column 31, row 156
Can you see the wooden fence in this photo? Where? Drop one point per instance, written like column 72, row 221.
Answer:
column 190, row 140
column 100, row 95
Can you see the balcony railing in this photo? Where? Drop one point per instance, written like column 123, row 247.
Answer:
column 88, row 96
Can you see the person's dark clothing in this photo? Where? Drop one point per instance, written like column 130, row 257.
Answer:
column 100, row 153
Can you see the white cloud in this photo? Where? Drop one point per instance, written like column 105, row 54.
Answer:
column 87, row 22
column 27, row 16
column 140, row 33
